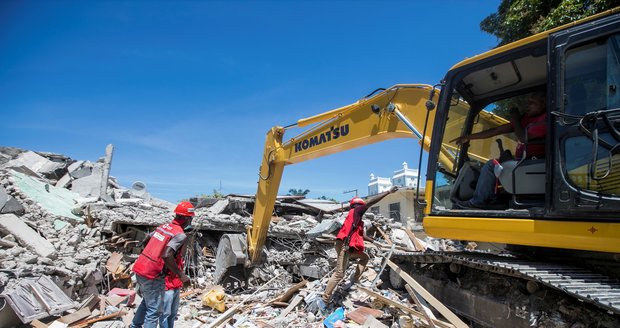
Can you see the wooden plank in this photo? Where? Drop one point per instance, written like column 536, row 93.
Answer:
column 374, row 281
column 416, row 243
column 190, row 293
column 383, row 234
column 75, row 316
column 294, row 303
column 89, row 302
column 278, row 304
column 455, row 320
column 38, row 324
column 291, row 291
column 403, row 307
column 362, row 313
column 422, row 308
column 85, row 323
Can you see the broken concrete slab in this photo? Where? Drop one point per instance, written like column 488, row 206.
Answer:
column 74, row 166
column 12, row 206
column 4, row 197
column 35, row 162
column 58, row 201
column 37, row 298
column 219, row 206
column 90, row 186
column 81, row 172
column 326, row 226
column 64, row 181
column 11, row 224
column 105, row 173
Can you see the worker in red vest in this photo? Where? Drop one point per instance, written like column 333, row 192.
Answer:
column 350, row 243
column 158, row 260
column 172, row 295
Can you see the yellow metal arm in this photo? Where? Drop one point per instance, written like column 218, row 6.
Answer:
column 367, row 121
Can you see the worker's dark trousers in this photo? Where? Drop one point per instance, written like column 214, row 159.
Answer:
column 341, row 267
column 485, row 187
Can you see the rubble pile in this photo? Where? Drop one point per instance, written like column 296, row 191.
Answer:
column 68, row 225
column 56, row 217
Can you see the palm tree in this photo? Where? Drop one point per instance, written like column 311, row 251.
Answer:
column 298, row 192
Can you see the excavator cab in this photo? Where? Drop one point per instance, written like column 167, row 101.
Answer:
column 569, row 197
column 519, row 184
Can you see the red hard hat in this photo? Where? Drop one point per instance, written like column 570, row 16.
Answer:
column 185, row 209
column 357, row 201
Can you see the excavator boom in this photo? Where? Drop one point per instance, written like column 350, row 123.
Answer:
column 367, row 121
column 401, row 111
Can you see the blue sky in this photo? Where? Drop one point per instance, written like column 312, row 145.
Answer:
column 187, row 90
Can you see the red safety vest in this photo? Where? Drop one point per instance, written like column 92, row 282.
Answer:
column 357, row 238
column 150, row 263
column 172, row 280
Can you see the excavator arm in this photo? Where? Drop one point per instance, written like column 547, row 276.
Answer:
column 367, row 121
column 398, row 112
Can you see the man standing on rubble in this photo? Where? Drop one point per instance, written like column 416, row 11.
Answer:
column 160, row 258
column 350, row 242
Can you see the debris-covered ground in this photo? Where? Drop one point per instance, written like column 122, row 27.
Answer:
column 69, row 234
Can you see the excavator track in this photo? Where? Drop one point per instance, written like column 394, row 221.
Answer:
column 582, row 284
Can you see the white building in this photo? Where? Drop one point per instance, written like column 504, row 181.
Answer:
column 399, row 206
column 378, row 185
column 403, row 178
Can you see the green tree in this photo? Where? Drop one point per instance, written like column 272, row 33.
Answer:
column 298, row 192
column 216, row 194
column 325, row 198
column 517, row 19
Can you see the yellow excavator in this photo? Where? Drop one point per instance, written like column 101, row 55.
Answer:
column 557, row 215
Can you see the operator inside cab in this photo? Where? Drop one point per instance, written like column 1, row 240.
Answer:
column 486, row 188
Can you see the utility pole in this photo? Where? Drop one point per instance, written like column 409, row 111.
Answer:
column 350, row 191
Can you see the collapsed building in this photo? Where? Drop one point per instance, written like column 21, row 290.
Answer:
column 70, row 229
column 69, row 233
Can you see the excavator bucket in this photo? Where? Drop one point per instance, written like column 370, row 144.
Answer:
column 230, row 262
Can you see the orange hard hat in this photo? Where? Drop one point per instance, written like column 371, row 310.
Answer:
column 185, row 209
column 357, row 201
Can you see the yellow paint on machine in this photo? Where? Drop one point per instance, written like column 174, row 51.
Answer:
column 590, row 236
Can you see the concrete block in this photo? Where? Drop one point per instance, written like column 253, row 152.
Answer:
column 58, row 201
column 35, row 162
column 89, row 186
column 326, row 226
column 74, row 166
column 9, row 223
column 4, row 197
column 105, row 174
column 64, row 181
column 81, row 172
column 13, row 206
column 219, row 207
column 162, row 203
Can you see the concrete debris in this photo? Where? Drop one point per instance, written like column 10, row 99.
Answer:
column 37, row 163
column 27, row 237
column 36, row 298
column 81, row 230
